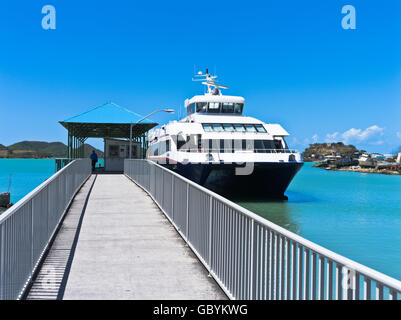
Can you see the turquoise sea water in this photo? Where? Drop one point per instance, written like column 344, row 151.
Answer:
column 26, row 175
column 354, row 214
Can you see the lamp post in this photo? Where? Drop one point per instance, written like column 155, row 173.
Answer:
column 134, row 124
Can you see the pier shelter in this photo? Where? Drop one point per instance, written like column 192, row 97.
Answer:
column 121, row 129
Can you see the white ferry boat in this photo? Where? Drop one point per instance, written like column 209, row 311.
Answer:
column 218, row 147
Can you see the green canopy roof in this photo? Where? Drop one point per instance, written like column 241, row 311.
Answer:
column 107, row 121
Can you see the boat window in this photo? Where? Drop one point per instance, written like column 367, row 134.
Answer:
column 201, row 107
column 259, row 146
column 269, row 145
column 217, row 127
column 277, row 144
column 237, row 144
column 192, row 145
column 162, row 147
column 227, row 108
column 155, row 149
column 214, row 107
column 250, row 127
column 230, row 146
column 239, row 127
column 285, row 144
column 249, row 144
column 188, row 144
column 213, row 145
column 199, row 142
column 260, row 128
column 238, row 107
column 191, row 108
column 207, row 127
column 228, row 127
column 180, row 143
column 221, row 146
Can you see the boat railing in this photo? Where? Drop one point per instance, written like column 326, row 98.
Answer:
column 26, row 229
column 249, row 256
column 234, row 150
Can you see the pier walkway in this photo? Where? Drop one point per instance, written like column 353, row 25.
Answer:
column 125, row 248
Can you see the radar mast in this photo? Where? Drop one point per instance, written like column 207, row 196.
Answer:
column 210, row 81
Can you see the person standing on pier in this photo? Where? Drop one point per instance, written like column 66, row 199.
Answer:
column 93, row 157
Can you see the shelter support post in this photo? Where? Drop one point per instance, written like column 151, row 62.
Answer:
column 130, row 141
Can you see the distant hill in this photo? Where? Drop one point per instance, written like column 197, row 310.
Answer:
column 40, row 149
column 88, row 150
column 316, row 150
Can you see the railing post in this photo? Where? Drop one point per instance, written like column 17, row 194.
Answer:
column 2, row 272
column 393, row 294
column 339, row 294
column 314, row 275
column 172, row 197
column 210, row 232
column 330, row 276
column 162, row 191
column 252, row 276
column 187, row 227
column 32, row 236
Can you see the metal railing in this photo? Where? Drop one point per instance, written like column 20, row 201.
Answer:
column 27, row 228
column 61, row 163
column 249, row 256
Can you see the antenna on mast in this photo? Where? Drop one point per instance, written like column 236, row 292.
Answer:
column 210, row 81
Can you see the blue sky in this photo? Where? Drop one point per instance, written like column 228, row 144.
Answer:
column 291, row 60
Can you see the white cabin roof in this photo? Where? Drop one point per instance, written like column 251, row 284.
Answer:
column 221, row 118
column 215, row 98
column 276, row 130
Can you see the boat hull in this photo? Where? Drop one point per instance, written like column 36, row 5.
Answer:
column 256, row 180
